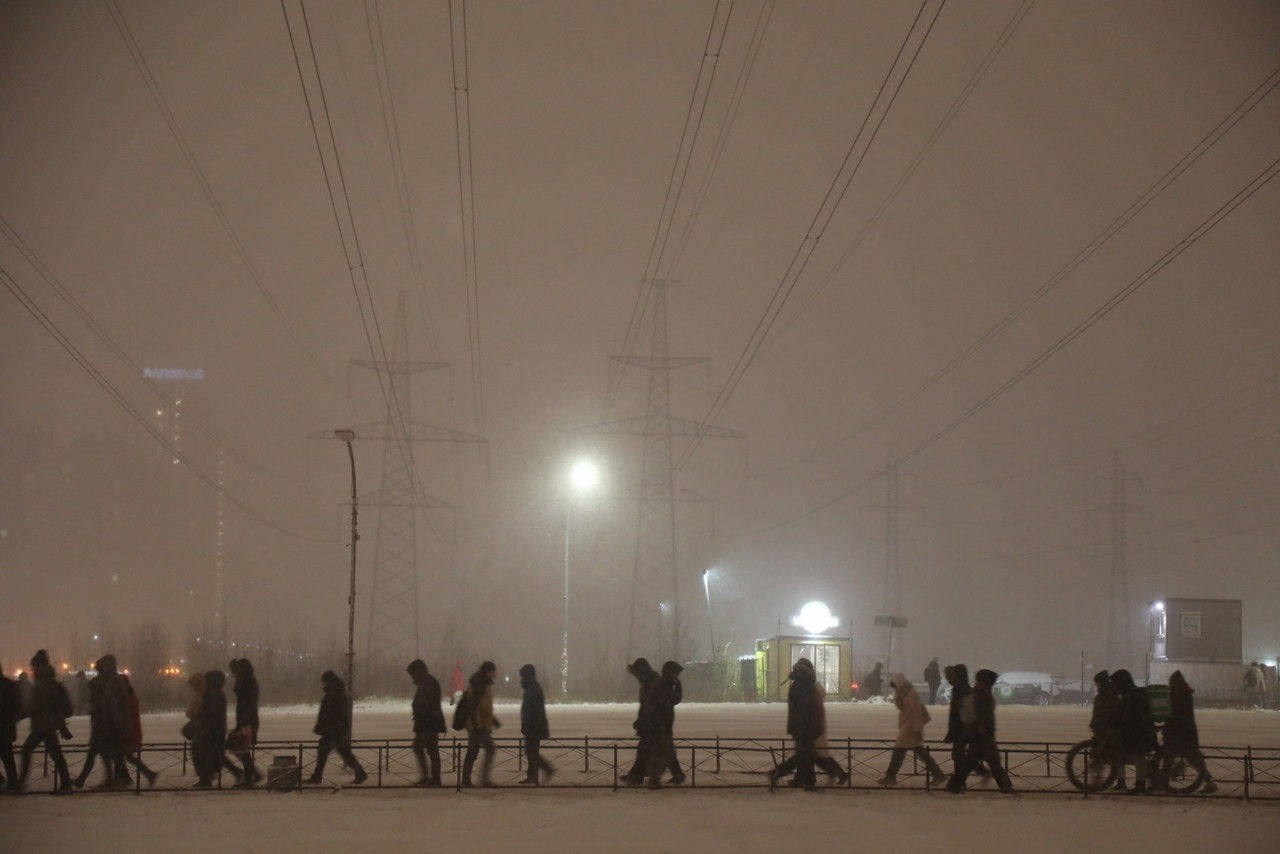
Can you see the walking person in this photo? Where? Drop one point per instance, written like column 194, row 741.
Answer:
column 645, row 676
column 108, row 726
column 978, row 717
column 244, row 737
column 480, row 723
column 912, row 717
column 132, row 745
column 873, row 682
column 1181, row 733
column 533, row 726
column 1134, row 730
column 209, row 731
column 1102, row 723
column 49, row 707
column 933, row 678
column 10, row 713
column 1255, row 686
column 674, row 693
column 428, row 723
column 333, row 725
column 804, row 725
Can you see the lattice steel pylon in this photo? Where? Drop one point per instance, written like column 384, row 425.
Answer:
column 654, row 625
column 394, row 620
column 1119, row 625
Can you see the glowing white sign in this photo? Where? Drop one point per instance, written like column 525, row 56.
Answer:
column 815, row 618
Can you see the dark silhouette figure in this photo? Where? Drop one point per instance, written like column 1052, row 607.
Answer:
column 978, row 716
column 533, row 725
column 333, row 725
column 643, row 725
column 933, row 678
column 244, row 737
column 873, row 682
column 805, row 725
column 132, row 746
column 10, row 713
column 1103, row 722
column 480, row 723
column 209, row 731
column 1181, row 733
column 428, row 722
column 1134, row 729
column 108, row 725
column 49, row 708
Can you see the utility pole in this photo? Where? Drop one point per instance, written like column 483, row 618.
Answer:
column 654, row 625
column 394, row 616
column 890, row 616
column 1119, row 626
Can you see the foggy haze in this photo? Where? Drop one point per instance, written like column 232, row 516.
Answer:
column 576, row 114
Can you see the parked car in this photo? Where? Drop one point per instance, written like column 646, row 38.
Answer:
column 1025, row 687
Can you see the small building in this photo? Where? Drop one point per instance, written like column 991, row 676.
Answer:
column 1204, row 639
column 832, row 658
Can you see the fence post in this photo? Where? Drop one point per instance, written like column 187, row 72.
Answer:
column 184, row 757
column 717, row 754
column 848, row 747
column 693, row 766
column 1248, row 769
column 1048, row 765
column 615, row 766
column 380, row 756
column 299, row 767
column 457, row 767
column 586, row 754
column 928, row 775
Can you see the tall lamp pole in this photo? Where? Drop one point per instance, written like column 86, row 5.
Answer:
column 583, row 477
column 348, row 436
column 711, row 629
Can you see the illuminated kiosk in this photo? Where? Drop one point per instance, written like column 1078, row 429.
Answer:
column 831, row 656
column 1202, row 638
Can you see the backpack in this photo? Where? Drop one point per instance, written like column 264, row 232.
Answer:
column 462, row 711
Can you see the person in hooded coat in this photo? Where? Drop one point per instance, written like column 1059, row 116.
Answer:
column 1135, row 732
column 428, row 722
column 1180, row 733
column 1102, row 721
column 132, row 745
column 533, row 725
column 644, row 723
column 108, row 725
column 245, row 736
column 209, row 730
column 933, row 678
column 873, row 682
column 673, row 692
column 333, row 725
column 480, row 723
column 912, row 717
column 49, row 708
column 978, row 716
column 10, row 713
column 805, row 718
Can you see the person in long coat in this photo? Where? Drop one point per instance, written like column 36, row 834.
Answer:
column 108, row 725
column 245, row 736
column 132, row 745
column 1181, row 733
column 978, row 716
column 10, row 713
column 481, row 723
column 933, row 678
column 428, row 722
column 804, row 725
column 912, row 717
column 49, row 707
column 643, row 725
column 209, row 730
column 534, row 726
column 1135, row 732
column 873, row 682
column 333, row 725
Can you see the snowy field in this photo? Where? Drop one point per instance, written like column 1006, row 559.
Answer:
column 702, row 820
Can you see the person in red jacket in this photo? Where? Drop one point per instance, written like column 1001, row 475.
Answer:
column 133, row 741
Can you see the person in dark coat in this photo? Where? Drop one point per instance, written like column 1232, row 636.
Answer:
column 10, row 713
column 209, row 731
column 669, row 683
column 428, row 722
column 873, row 682
column 533, row 725
column 1180, row 733
column 108, row 725
column 132, row 745
column 480, row 723
column 933, row 678
column 1134, row 729
column 1102, row 722
column 24, row 693
column 804, row 725
column 49, row 708
column 242, row 740
column 333, row 725
column 644, row 674
column 978, row 717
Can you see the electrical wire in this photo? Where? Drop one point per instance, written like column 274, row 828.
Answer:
column 116, row 395
column 219, row 212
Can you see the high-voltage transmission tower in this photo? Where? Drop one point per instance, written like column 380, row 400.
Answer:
column 393, row 617
column 890, row 616
column 654, row 627
column 1119, row 624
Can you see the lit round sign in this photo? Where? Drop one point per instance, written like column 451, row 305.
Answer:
column 815, row 618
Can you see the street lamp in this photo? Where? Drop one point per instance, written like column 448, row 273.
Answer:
column 711, row 629
column 583, row 477
column 349, row 436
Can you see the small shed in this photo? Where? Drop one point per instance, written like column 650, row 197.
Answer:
column 832, row 658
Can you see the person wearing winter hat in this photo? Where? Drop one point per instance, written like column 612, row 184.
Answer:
column 912, row 717
column 333, row 725
column 979, row 719
column 644, row 723
column 533, row 726
column 428, row 722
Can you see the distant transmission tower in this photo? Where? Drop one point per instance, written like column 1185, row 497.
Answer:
column 1119, row 626
column 394, row 618
column 891, row 616
column 654, row 627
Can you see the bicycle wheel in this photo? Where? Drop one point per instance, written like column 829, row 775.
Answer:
column 1177, row 772
column 1087, row 769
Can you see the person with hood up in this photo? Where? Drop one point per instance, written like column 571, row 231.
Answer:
column 132, row 745
column 1135, row 732
column 480, row 723
column 49, row 708
column 978, row 717
column 933, row 679
column 533, row 725
column 242, row 740
column 873, row 682
column 912, row 717
column 10, row 713
column 428, row 722
column 333, row 725
column 108, row 725
column 1102, row 722
column 1181, row 733
column 673, row 692
column 643, row 725
column 805, row 725
column 209, row 731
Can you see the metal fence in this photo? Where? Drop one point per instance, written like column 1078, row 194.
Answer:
column 1247, row 773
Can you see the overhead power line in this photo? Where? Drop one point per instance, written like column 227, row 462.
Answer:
column 1191, row 238
column 116, row 395
column 193, row 164
column 904, row 60
column 1101, row 239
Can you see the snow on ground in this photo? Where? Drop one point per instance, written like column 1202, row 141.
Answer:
column 702, row 821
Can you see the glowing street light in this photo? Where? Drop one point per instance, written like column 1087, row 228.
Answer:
column 584, row 477
column 706, row 590
column 815, row 618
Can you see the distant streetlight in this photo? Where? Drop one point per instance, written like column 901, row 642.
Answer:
column 711, row 629
column 815, row 618
column 349, row 436
column 584, row 477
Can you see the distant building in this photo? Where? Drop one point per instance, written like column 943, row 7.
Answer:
column 1204, row 639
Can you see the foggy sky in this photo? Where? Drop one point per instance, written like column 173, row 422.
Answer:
column 576, row 113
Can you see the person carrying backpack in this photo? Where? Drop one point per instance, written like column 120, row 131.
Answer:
column 979, row 719
column 480, row 723
column 49, row 708
column 912, row 717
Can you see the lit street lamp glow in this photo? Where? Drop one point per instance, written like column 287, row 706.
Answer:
column 584, row 477
column 815, row 618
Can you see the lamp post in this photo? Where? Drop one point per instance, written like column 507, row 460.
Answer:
column 349, row 436
column 711, row 629
column 583, row 477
